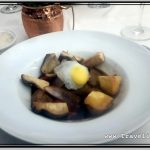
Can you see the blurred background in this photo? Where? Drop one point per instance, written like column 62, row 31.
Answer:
column 103, row 17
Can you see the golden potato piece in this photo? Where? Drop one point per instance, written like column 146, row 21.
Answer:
column 98, row 101
column 110, row 84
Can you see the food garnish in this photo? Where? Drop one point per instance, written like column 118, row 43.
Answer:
column 72, row 88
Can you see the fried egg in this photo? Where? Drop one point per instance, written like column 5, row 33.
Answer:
column 73, row 74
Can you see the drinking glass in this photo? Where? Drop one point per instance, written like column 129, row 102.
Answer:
column 98, row 5
column 137, row 32
column 11, row 8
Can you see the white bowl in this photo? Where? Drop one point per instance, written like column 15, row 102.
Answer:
column 131, row 107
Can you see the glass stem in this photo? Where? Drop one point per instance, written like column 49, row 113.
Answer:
column 141, row 15
column 139, row 29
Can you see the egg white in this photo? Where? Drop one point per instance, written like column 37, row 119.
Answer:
column 63, row 71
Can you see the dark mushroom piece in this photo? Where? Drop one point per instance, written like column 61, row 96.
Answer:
column 95, row 60
column 71, row 99
column 93, row 80
column 85, row 90
column 48, row 77
column 57, row 82
column 49, row 63
column 101, row 72
column 68, row 56
column 43, row 104
column 35, row 81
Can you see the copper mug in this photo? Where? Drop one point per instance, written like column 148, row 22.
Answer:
column 43, row 19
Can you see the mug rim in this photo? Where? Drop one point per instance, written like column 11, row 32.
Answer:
column 40, row 7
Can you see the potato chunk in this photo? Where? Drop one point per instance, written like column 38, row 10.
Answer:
column 98, row 101
column 110, row 84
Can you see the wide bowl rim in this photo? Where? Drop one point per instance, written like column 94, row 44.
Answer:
column 51, row 34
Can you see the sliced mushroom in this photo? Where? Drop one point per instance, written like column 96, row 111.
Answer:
column 71, row 99
column 33, row 80
column 41, row 96
column 47, row 77
column 49, row 63
column 85, row 90
column 58, row 109
column 93, row 80
column 95, row 60
column 50, row 75
column 101, row 72
column 69, row 56
column 57, row 82
column 42, row 102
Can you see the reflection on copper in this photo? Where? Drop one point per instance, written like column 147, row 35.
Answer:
column 40, row 20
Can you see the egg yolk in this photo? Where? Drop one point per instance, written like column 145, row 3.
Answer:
column 79, row 75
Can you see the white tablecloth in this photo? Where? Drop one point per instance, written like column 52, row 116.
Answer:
column 111, row 19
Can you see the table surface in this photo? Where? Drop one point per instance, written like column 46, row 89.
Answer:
column 111, row 20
